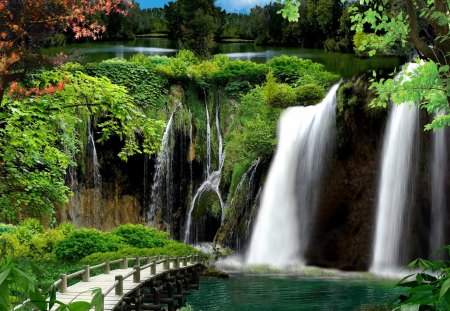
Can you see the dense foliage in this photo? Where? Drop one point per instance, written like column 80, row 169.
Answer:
column 42, row 133
column 423, row 24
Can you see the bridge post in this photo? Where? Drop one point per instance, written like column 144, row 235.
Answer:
column 153, row 267
column 119, row 286
column 167, row 264
column 137, row 274
column 137, row 261
column 124, row 263
column 103, row 303
column 177, row 262
column 63, row 285
column 185, row 262
column 107, row 268
column 147, row 260
column 86, row 274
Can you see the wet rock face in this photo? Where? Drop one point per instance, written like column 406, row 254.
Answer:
column 120, row 196
column 344, row 223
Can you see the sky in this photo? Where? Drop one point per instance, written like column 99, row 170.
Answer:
column 228, row 5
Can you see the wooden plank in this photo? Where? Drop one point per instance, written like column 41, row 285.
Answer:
column 82, row 291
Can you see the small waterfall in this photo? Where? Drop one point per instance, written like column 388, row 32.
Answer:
column 438, row 192
column 161, row 195
column 394, row 186
column 212, row 181
column 97, row 194
column 291, row 191
column 208, row 142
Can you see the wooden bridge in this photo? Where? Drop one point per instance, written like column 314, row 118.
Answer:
column 152, row 283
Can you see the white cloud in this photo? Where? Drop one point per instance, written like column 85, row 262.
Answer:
column 240, row 5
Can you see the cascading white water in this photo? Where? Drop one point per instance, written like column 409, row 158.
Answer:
column 395, row 181
column 212, row 181
column 438, row 192
column 97, row 195
column 281, row 233
column 161, row 196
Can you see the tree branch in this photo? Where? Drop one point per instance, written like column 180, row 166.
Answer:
column 421, row 46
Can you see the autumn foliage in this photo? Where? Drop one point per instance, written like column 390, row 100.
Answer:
column 26, row 24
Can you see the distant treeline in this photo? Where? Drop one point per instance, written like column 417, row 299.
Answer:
column 199, row 24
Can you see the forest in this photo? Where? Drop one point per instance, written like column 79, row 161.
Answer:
column 187, row 157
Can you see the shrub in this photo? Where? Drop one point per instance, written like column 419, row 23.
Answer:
column 279, row 95
column 83, row 242
column 291, row 69
column 42, row 244
column 66, row 228
column 5, row 228
column 143, row 83
column 140, row 236
column 240, row 70
column 309, row 94
column 16, row 247
column 148, row 61
column 235, row 89
column 27, row 229
column 173, row 249
column 176, row 67
column 203, row 72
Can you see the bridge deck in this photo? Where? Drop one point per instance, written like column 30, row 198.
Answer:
column 82, row 291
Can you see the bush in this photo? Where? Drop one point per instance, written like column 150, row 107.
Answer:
column 173, row 249
column 291, row 69
column 42, row 244
column 176, row 67
column 16, row 247
column 279, row 95
column 83, row 242
column 66, row 228
column 309, row 94
column 140, row 236
column 4, row 228
column 240, row 70
column 143, row 83
column 27, row 229
column 235, row 89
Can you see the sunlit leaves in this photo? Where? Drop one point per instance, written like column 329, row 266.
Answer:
column 42, row 134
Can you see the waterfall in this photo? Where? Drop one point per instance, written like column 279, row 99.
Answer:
column 245, row 192
column 438, row 192
column 291, row 190
column 212, row 181
column 161, row 195
column 97, row 195
column 394, row 185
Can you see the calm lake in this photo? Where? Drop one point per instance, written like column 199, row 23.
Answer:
column 268, row 293
column 345, row 64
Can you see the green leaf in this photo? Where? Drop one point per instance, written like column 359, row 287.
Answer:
column 79, row 306
column 444, row 289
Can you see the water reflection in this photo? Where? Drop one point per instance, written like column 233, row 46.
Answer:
column 345, row 64
column 264, row 293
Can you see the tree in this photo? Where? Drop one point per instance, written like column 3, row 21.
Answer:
column 194, row 23
column 425, row 24
column 26, row 24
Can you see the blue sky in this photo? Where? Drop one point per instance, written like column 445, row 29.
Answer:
column 229, row 5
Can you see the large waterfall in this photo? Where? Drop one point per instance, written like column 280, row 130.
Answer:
column 292, row 188
column 438, row 192
column 212, row 181
column 394, row 186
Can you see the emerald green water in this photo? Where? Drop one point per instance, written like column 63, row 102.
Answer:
column 346, row 65
column 264, row 293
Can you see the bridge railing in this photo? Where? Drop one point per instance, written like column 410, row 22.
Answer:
column 151, row 262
